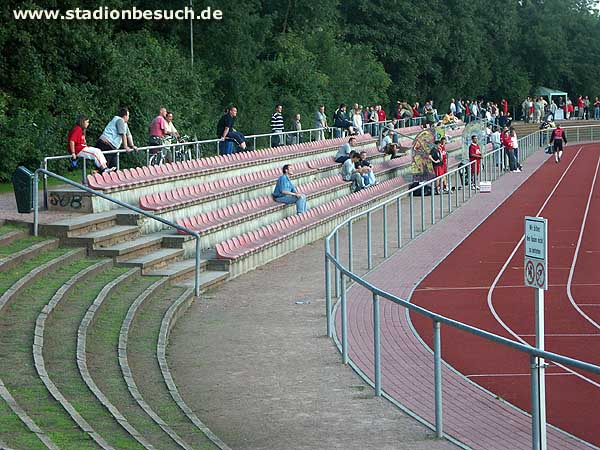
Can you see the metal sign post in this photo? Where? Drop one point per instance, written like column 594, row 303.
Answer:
column 536, row 276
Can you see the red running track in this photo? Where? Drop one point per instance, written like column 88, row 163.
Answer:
column 481, row 283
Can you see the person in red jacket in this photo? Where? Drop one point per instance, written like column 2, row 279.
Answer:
column 475, row 159
column 77, row 147
column 504, row 105
column 509, row 150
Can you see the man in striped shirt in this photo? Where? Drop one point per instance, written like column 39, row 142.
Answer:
column 277, row 126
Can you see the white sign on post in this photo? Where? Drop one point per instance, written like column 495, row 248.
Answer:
column 536, row 250
column 536, row 276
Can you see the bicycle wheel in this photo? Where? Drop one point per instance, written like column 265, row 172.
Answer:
column 156, row 159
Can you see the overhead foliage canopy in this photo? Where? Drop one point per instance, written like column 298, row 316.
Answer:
column 264, row 52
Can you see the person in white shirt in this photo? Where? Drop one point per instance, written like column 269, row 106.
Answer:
column 357, row 121
column 496, row 144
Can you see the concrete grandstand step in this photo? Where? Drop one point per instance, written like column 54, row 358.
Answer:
column 178, row 269
column 104, row 237
column 208, row 279
column 79, row 224
column 131, row 248
column 154, row 260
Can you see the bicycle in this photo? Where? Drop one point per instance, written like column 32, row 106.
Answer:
column 159, row 155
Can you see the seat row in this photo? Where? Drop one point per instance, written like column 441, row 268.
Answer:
column 254, row 241
column 128, row 178
column 182, row 196
column 228, row 215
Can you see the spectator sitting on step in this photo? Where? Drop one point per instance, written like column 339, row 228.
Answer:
column 116, row 135
column 351, row 173
column 368, row 174
column 225, row 130
column 386, row 141
column 285, row 192
column 76, row 146
column 344, row 152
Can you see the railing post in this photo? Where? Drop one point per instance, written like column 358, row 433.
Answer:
column 34, row 190
column 399, row 218
column 376, row 345
column 433, row 202
column 118, row 160
column 412, row 216
column 369, row 243
column 385, row 232
column 336, row 254
column 83, row 172
column 45, row 182
column 344, row 322
column 535, row 402
column 328, row 289
column 350, row 249
column 423, row 208
column 197, row 275
column 442, row 197
column 437, row 368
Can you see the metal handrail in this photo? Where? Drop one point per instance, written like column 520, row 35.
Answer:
column 120, row 203
column 527, row 145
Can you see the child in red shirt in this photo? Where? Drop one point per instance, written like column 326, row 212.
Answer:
column 76, row 145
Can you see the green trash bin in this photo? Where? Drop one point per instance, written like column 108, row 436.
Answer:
column 23, row 184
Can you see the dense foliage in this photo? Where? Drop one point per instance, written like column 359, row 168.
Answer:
column 265, row 52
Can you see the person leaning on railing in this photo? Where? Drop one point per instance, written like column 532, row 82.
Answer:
column 76, row 146
column 116, row 135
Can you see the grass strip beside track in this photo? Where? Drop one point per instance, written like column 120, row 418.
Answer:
column 20, row 244
column 9, row 227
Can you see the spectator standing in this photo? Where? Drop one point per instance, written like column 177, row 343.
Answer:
column 345, row 150
column 452, row 108
column 76, row 146
column 285, row 192
column 504, row 106
column 586, row 108
column 496, row 144
column 321, row 122
column 435, row 155
column 357, row 121
column 158, row 128
column 340, row 120
column 444, row 154
column 459, row 109
column 351, row 173
column 580, row 107
column 508, row 149
column 597, row 108
column 226, row 130
column 475, row 158
column 297, row 127
column 116, row 135
column 170, row 127
column 515, row 145
column 277, row 126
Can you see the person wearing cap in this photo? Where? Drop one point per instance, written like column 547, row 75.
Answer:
column 285, row 192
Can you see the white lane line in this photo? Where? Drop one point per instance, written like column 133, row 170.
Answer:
column 508, row 286
column 499, row 375
column 565, row 335
column 491, row 290
column 575, row 256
